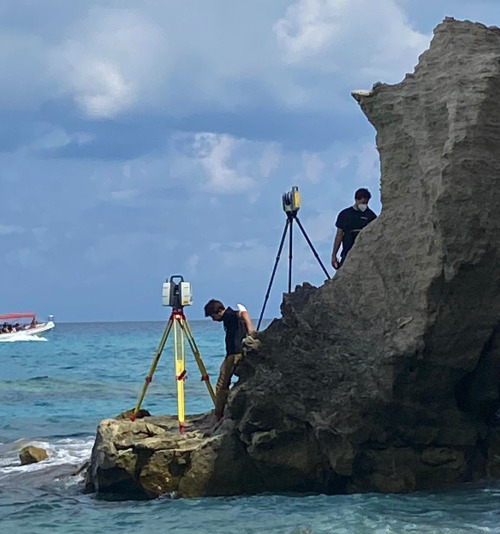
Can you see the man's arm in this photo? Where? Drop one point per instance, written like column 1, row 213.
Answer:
column 336, row 245
column 245, row 316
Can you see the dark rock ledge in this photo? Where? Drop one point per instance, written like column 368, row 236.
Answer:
column 387, row 377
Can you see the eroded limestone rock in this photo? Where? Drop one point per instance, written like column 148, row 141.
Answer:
column 149, row 457
column 399, row 393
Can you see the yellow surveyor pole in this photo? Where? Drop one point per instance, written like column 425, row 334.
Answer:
column 156, row 359
column 197, row 356
column 180, row 326
column 180, row 370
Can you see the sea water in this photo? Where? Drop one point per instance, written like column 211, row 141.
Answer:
column 55, row 389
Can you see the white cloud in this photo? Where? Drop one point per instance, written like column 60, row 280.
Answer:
column 179, row 58
column 228, row 164
column 373, row 38
column 124, row 194
column 313, row 167
column 235, row 256
column 44, row 238
column 192, row 263
column 270, row 159
column 24, row 257
column 24, row 79
column 199, row 163
column 120, row 183
column 215, row 153
column 121, row 247
column 368, row 162
column 309, row 26
column 10, row 229
column 101, row 89
column 319, row 227
column 111, row 62
column 57, row 137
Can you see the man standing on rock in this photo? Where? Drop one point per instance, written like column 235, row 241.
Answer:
column 238, row 325
column 349, row 223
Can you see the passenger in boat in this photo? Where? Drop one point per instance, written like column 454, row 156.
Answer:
column 33, row 323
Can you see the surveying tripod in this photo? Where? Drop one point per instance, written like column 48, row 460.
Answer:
column 178, row 323
column 291, row 205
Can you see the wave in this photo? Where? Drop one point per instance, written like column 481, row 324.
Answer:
column 65, row 456
column 22, row 337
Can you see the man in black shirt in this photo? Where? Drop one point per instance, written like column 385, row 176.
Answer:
column 349, row 223
column 238, row 325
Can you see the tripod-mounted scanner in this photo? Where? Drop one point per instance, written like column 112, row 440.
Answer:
column 177, row 294
column 291, row 205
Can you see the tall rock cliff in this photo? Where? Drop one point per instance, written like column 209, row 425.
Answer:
column 387, row 377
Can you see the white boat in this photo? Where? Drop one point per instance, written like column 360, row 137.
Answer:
column 11, row 329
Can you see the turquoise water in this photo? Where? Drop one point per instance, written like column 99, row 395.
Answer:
column 53, row 394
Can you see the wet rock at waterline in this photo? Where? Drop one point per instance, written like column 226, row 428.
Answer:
column 387, row 377
column 31, row 455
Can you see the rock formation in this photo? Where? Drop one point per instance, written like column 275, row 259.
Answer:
column 31, row 455
column 387, row 377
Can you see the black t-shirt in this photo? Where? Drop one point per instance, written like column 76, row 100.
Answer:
column 351, row 221
column 235, row 331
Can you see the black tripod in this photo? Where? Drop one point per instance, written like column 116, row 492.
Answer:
column 291, row 205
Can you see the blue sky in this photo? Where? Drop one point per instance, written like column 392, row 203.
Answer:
column 141, row 139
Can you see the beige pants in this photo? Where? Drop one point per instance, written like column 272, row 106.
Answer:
column 224, row 381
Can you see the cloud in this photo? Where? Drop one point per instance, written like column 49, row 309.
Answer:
column 52, row 137
column 236, row 256
column 10, row 229
column 373, row 38
column 124, row 194
column 25, row 258
column 111, row 61
column 166, row 126
column 270, row 159
column 309, row 26
column 214, row 152
column 101, row 90
column 24, row 79
column 225, row 163
column 368, row 161
column 319, row 227
column 313, row 167
column 192, row 263
column 119, row 248
column 44, row 239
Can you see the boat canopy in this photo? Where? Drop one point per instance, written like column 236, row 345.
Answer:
column 17, row 316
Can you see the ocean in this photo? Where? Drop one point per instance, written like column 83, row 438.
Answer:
column 55, row 390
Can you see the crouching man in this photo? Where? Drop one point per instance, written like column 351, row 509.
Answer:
column 238, row 325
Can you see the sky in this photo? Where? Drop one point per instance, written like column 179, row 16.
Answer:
column 141, row 139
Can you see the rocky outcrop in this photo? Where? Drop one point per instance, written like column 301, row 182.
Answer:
column 387, row 377
column 149, row 457
column 31, row 455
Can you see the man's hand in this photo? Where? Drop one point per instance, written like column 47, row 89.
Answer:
column 336, row 246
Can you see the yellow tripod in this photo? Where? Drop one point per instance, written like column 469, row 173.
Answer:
column 180, row 326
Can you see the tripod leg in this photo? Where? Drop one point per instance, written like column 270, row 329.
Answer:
column 312, row 247
column 290, row 254
column 156, row 359
column 197, row 356
column 274, row 272
column 180, row 373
